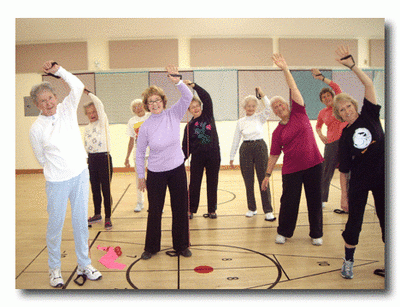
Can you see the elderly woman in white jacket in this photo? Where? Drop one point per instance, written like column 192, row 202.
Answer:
column 253, row 152
column 57, row 144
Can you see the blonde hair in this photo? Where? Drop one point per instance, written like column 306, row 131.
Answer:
column 338, row 100
column 134, row 104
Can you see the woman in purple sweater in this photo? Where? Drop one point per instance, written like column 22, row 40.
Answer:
column 161, row 132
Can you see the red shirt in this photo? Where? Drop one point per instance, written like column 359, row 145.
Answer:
column 326, row 117
column 296, row 140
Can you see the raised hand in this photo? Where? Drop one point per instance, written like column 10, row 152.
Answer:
column 189, row 83
column 345, row 57
column 50, row 68
column 317, row 74
column 173, row 70
column 279, row 61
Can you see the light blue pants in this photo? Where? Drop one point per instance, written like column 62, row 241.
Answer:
column 58, row 193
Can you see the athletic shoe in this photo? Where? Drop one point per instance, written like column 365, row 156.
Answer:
column 347, row 269
column 270, row 217
column 89, row 271
column 280, row 239
column 139, row 207
column 251, row 213
column 94, row 219
column 108, row 224
column 56, row 280
column 317, row 241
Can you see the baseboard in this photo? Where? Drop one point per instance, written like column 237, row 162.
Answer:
column 125, row 169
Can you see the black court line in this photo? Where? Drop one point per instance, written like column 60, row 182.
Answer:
column 31, row 262
column 119, row 200
column 214, row 245
column 73, row 272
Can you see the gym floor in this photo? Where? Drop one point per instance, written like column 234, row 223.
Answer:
column 230, row 252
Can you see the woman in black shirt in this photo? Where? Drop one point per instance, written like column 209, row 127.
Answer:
column 203, row 145
column 361, row 154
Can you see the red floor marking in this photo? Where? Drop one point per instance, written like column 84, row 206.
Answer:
column 203, row 269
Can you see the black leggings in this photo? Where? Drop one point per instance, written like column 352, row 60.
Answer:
column 100, row 171
column 357, row 197
column 210, row 161
column 157, row 183
column 290, row 201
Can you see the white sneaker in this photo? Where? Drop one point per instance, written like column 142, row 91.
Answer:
column 139, row 207
column 324, row 204
column 317, row 242
column 56, row 280
column 89, row 271
column 280, row 239
column 251, row 213
column 270, row 217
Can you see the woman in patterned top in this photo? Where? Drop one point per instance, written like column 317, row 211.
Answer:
column 97, row 145
column 203, row 145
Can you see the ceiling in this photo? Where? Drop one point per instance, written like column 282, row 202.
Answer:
column 42, row 30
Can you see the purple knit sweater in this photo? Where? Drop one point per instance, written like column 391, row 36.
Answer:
column 161, row 132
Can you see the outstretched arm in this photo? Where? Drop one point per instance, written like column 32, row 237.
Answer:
column 279, row 61
column 347, row 60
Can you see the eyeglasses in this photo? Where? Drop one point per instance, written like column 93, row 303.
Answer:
column 149, row 102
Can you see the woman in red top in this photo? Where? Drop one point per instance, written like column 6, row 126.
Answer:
column 334, row 131
column 302, row 162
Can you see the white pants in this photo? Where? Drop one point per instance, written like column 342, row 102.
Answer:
column 77, row 191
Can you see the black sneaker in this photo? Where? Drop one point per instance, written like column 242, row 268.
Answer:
column 146, row 255
column 94, row 219
column 186, row 253
column 108, row 224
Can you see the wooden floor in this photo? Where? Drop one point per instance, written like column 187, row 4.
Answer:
column 230, row 252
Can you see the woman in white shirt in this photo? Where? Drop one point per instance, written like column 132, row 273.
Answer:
column 97, row 145
column 253, row 152
column 56, row 142
column 132, row 130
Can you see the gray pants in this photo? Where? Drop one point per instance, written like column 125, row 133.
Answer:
column 331, row 156
column 254, row 154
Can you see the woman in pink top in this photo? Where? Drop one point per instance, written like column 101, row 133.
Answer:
column 334, row 131
column 302, row 161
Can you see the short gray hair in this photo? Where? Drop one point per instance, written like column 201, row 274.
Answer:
column 249, row 98
column 39, row 88
column 86, row 105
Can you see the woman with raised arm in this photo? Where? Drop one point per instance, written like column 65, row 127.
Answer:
column 253, row 152
column 302, row 162
column 57, row 144
column 98, row 145
column 166, row 166
column 201, row 141
column 334, row 131
column 361, row 154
